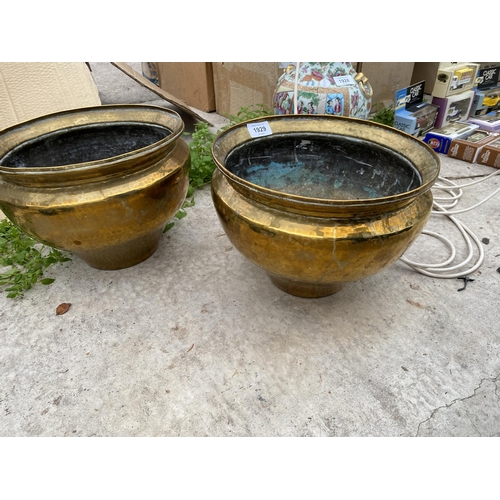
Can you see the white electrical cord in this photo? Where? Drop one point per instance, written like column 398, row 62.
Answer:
column 442, row 206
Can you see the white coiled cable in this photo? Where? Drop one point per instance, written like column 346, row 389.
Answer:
column 442, row 206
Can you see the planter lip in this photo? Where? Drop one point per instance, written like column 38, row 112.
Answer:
column 118, row 110
column 281, row 197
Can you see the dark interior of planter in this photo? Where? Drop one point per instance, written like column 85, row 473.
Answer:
column 84, row 144
column 330, row 167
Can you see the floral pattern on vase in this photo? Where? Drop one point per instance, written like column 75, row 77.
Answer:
column 320, row 93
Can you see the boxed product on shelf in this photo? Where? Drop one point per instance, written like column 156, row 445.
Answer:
column 455, row 79
column 487, row 96
column 489, row 121
column 488, row 77
column 454, row 108
column 490, row 154
column 412, row 114
column 468, row 148
column 485, row 101
column 440, row 139
column 491, row 98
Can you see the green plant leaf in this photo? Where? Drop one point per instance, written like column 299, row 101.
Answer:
column 383, row 115
column 26, row 260
column 180, row 214
column 189, row 203
column 170, row 225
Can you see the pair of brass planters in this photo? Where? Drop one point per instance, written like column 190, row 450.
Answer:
column 98, row 182
column 333, row 200
column 323, row 200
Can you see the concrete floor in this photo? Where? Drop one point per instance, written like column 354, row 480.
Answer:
column 196, row 341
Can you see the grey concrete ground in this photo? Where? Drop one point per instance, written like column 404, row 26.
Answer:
column 196, row 341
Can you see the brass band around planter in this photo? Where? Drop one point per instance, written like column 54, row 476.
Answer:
column 322, row 200
column 99, row 182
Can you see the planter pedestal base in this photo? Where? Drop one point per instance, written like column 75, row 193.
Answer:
column 305, row 290
column 122, row 256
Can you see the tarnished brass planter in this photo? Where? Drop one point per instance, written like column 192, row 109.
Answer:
column 99, row 182
column 323, row 200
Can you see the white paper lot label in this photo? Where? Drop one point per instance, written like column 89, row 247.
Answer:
column 259, row 129
column 344, row 80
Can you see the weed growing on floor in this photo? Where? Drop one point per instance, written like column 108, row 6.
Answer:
column 24, row 260
column 384, row 115
column 202, row 163
column 248, row 113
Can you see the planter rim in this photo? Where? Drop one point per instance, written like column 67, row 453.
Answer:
column 84, row 118
column 382, row 135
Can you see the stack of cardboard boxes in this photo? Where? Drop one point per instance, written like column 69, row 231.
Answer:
column 226, row 87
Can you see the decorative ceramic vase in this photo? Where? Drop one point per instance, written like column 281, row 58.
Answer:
column 321, row 201
column 99, row 182
column 333, row 88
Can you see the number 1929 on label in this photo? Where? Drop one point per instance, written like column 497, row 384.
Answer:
column 259, row 129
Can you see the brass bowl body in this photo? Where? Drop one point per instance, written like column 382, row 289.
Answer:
column 109, row 212
column 311, row 247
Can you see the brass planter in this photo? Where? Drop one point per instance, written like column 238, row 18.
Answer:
column 323, row 200
column 99, row 182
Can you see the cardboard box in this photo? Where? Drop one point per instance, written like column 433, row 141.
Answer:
column 485, row 101
column 440, row 139
column 413, row 115
column 190, row 82
column 417, row 120
column 386, row 78
column 488, row 77
column 487, row 96
column 455, row 79
column 454, row 108
column 483, row 65
column 490, row 154
column 244, row 84
column 30, row 89
column 491, row 98
column 468, row 149
column 489, row 121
